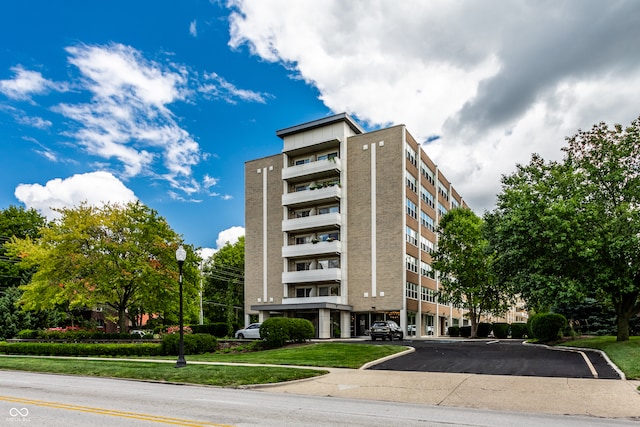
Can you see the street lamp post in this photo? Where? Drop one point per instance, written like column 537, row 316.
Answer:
column 181, row 255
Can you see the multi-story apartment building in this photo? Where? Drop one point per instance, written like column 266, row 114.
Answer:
column 340, row 227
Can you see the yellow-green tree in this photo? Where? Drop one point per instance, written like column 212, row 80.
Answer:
column 114, row 255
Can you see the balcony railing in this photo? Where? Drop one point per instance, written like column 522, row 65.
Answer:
column 312, row 221
column 308, row 196
column 318, row 275
column 308, row 249
column 333, row 299
column 318, row 167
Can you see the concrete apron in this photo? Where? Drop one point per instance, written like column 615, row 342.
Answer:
column 564, row 396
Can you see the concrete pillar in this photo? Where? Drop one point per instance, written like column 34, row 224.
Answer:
column 345, row 324
column 324, row 323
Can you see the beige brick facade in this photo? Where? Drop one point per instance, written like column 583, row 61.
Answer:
column 339, row 229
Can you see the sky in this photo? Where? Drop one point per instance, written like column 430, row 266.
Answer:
column 164, row 101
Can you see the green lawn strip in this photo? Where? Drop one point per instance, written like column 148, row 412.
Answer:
column 329, row 355
column 214, row 375
column 626, row 354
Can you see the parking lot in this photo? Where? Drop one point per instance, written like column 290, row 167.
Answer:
column 497, row 357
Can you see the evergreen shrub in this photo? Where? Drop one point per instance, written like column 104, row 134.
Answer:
column 547, row 326
column 500, row 330
column 465, row 331
column 454, row 331
column 484, row 329
column 518, row 330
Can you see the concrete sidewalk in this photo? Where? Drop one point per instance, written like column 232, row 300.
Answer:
column 564, row 396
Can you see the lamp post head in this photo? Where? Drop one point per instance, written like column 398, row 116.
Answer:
column 181, row 254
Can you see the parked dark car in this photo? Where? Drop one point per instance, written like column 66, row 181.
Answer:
column 386, row 329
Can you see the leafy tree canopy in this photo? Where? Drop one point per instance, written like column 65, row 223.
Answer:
column 119, row 256
column 568, row 230
column 224, row 290
column 464, row 263
column 21, row 223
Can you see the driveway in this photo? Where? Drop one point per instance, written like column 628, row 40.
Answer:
column 498, row 357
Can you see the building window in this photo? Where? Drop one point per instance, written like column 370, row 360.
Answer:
column 303, row 292
column 329, row 263
column 427, row 245
column 443, row 189
column 454, row 203
column 427, row 221
column 426, row 270
column 301, row 162
column 328, row 209
column 301, row 240
column 426, row 172
column 303, row 213
column 328, row 156
column 428, row 295
column 411, row 156
column 412, row 236
column 303, row 266
column 412, row 182
column 426, row 196
column 441, row 209
column 329, row 237
column 411, row 290
column 412, row 263
column 412, row 209
column 303, row 187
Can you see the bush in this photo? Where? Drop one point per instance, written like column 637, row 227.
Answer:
column 518, row 330
column 193, row 344
column 547, row 326
column 500, row 330
column 465, row 331
column 484, row 329
column 300, row 330
column 453, row 331
column 218, row 329
column 277, row 331
column 76, row 349
column 26, row 334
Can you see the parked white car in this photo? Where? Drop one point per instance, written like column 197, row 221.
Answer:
column 251, row 331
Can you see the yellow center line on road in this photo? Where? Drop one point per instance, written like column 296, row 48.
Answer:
column 114, row 413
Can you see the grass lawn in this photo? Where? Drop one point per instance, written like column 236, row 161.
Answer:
column 340, row 355
column 626, row 355
column 328, row 355
column 224, row 376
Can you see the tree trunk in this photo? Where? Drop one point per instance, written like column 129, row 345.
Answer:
column 474, row 324
column 122, row 321
column 626, row 307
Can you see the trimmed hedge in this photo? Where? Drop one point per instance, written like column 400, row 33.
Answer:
column 193, row 344
column 484, row 329
column 465, row 331
column 454, row 331
column 76, row 349
column 74, row 335
column 547, row 326
column 518, row 330
column 277, row 331
column 500, row 330
column 218, row 329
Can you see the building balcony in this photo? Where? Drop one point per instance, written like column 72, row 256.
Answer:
column 311, row 222
column 334, row 299
column 306, row 276
column 311, row 170
column 309, row 249
column 319, row 195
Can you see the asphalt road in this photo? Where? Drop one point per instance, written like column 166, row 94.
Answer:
column 498, row 357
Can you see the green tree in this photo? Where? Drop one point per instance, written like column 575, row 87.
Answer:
column 119, row 256
column 464, row 262
column 569, row 230
column 224, row 290
column 21, row 223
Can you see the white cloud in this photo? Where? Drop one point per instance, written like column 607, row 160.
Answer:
column 36, row 122
column 96, row 188
column 193, row 29
column 230, row 235
column 494, row 81
column 128, row 118
column 218, row 87
column 27, row 83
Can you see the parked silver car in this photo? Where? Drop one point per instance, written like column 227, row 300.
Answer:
column 251, row 331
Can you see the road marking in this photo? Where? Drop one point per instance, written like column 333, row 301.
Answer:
column 589, row 364
column 114, row 413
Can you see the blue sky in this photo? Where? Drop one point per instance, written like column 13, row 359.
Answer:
column 164, row 101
